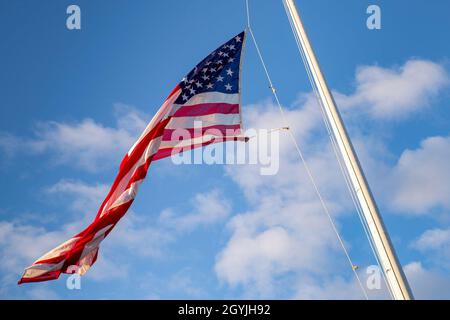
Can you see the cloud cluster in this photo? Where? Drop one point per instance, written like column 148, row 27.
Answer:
column 210, row 208
column 389, row 93
column 433, row 239
column 21, row 244
column 137, row 236
column 426, row 283
column 83, row 197
column 285, row 236
column 434, row 243
column 420, row 180
column 283, row 239
column 87, row 144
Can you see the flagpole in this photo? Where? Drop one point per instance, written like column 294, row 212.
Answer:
column 392, row 269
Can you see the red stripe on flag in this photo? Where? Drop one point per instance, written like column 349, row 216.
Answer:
column 205, row 109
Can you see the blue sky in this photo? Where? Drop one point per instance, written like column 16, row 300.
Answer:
column 74, row 101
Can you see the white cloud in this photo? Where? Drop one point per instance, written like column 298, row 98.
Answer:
column 336, row 287
column 106, row 270
column 21, row 244
column 135, row 236
column 138, row 236
column 396, row 93
column 131, row 233
column 209, row 208
column 254, row 258
column 87, row 144
column 181, row 283
column 420, row 180
column 84, row 197
column 274, row 240
column 42, row 293
column 433, row 239
column 285, row 236
column 307, row 126
column 9, row 144
column 427, row 284
column 434, row 244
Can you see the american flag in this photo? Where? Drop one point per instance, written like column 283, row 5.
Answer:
column 210, row 95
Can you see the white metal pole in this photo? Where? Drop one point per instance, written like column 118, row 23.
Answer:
column 388, row 259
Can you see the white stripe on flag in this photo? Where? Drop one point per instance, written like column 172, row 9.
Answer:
column 150, row 150
column 205, row 121
column 64, row 247
column 90, row 249
column 212, row 97
column 128, row 194
column 37, row 270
